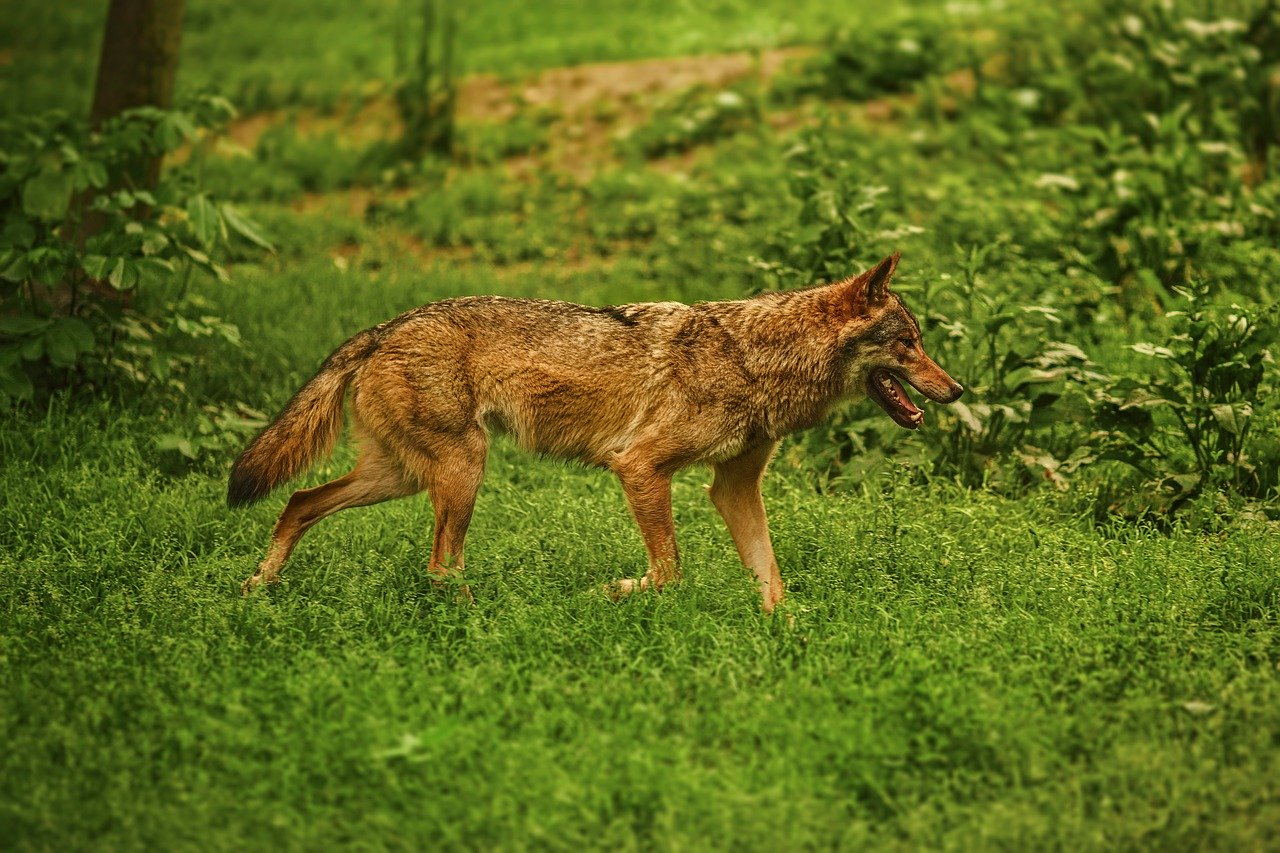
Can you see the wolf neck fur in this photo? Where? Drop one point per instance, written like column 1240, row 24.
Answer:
column 775, row 355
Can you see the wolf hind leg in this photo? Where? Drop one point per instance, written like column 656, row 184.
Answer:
column 735, row 491
column 648, row 493
column 452, row 472
column 377, row 477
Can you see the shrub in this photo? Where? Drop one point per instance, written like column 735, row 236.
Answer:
column 696, row 117
column 78, row 243
column 1184, row 416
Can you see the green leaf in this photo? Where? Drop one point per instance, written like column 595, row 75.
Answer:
column 966, row 416
column 18, row 269
column 153, row 270
column 18, row 232
column 48, row 194
column 96, row 266
column 66, row 340
column 173, row 129
column 15, row 384
column 33, row 350
column 160, row 365
column 205, row 220
column 76, row 331
column 180, row 443
column 1140, row 398
column 93, row 173
column 116, row 275
column 1232, row 416
column 996, row 322
column 21, row 327
column 1183, row 483
column 245, row 227
column 1152, row 349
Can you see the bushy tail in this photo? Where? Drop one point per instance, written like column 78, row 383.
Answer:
column 306, row 430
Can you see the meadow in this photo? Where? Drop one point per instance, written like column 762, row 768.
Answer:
column 1048, row 619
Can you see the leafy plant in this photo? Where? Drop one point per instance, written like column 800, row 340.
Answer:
column 1186, row 425
column 1149, row 205
column 426, row 89
column 842, row 219
column 1023, row 381
column 218, row 430
column 882, row 55
column 78, row 242
column 695, row 117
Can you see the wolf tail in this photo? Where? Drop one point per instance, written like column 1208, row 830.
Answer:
column 306, row 430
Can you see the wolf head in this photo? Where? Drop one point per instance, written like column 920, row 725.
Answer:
column 881, row 340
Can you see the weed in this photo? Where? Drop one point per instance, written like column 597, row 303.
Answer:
column 1191, row 428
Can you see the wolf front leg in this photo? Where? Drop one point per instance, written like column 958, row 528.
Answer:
column 736, row 494
column 648, row 491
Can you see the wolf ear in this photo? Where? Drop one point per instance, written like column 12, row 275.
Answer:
column 872, row 286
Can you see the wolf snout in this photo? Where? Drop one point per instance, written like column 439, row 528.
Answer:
column 953, row 393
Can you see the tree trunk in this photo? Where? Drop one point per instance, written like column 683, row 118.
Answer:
column 138, row 66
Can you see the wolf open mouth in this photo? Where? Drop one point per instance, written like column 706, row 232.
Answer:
column 892, row 397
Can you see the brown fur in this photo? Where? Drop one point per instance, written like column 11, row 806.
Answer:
column 642, row 390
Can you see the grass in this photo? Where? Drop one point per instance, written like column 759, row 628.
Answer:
column 980, row 668
column 343, row 46
column 951, row 668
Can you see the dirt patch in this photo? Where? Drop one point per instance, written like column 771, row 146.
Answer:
column 583, row 87
column 594, row 102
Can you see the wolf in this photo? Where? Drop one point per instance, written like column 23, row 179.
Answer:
column 642, row 390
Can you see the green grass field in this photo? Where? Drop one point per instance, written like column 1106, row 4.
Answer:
column 980, row 649
column 952, row 669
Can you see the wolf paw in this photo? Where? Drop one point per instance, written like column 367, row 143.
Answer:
column 462, row 591
column 620, row 589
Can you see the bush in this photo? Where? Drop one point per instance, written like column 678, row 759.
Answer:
column 696, row 117
column 1184, row 417
column 78, row 243
column 1085, row 206
column 885, row 55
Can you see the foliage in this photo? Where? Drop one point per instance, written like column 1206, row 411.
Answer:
column 1131, row 209
column 525, row 133
column 426, row 89
column 695, row 117
column 1118, row 61
column 284, row 163
column 884, row 54
column 1189, row 429
column 842, row 220
column 1006, row 629
column 1149, row 205
column 1179, row 113
column 78, row 243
